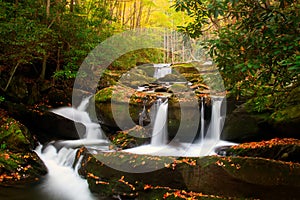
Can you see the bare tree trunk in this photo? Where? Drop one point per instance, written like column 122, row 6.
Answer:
column 48, row 8
column 44, row 66
column 139, row 16
column 72, row 6
column 148, row 15
column 133, row 16
column 123, row 14
column 11, row 76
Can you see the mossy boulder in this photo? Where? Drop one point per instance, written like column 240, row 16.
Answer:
column 18, row 163
column 118, row 107
column 148, row 69
column 287, row 121
column 15, row 135
column 133, row 137
column 238, row 177
column 135, row 77
column 243, row 126
column 172, row 78
column 286, row 149
column 20, row 168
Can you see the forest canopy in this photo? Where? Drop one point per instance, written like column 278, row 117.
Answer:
column 255, row 45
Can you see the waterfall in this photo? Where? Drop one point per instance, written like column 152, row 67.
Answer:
column 160, row 132
column 160, row 70
column 202, row 120
column 216, row 122
column 62, row 181
column 205, row 145
column 79, row 114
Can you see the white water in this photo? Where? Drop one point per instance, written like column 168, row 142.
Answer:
column 79, row 114
column 202, row 120
column 160, row 132
column 216, row 123
column 62, row 182
column 161, row 70
column 205, row 146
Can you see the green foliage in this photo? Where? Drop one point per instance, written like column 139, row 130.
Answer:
column 256, row 45
column 63, row 38
column 131, row 59
column 2, row 99
column 3, row 146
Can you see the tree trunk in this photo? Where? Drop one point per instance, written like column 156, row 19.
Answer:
column 133, row 16
column 139, row 16
column 123, row 14
column 48, row 8
column 44, row 66
column 11, row 76
column 72, row 6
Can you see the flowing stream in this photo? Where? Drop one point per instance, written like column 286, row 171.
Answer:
column 160, row 132
column 62, row 181
column 161, row 70
column 206, row 144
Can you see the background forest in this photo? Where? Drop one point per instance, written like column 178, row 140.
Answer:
column 254, row 43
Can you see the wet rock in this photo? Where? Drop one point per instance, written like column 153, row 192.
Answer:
column 286, row 149
column 135, row 77
column 131, row 138
column 238, row 177
column 47, row 125
column 18, row 163
column 242, row 126
column 161, row 89
column 172, row 78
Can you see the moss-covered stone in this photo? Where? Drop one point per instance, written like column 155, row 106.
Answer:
column 240, row 177
column 15, row 135
column 177, row 87
column 20, row 168
column 133, row 137
column 148, row 69
column 18, row 163
column 286, row 149
column 135, row 77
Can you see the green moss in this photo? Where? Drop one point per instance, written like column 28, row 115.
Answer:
column 130, row 138
column 287, row 114
column 177, row 87
column 103, row 95
column 15, row 135
column 148, row 69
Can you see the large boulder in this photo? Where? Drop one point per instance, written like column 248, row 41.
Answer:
column 286, row 149
column 232, row 176
column 131, row 138
column 45, row 124
column 242, row 126
column 18, row 163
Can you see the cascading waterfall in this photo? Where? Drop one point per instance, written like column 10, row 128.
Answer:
column 160, row 132
column 207, row 141
column 79, row 114
column 160, row 70
column 216, row 122
column 202, row 120
column 62, row 180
